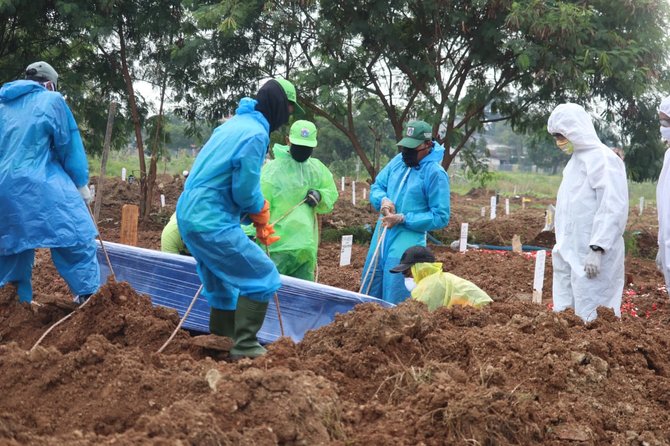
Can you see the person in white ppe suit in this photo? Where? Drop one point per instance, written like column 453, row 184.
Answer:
column 591, row 215
column 663, row 197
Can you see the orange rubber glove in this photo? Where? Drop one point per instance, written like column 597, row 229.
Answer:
column 264, row 234
column 263, row 217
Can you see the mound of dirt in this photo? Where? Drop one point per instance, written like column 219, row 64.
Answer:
column 509, row 374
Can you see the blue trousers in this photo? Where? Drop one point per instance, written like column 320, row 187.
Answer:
column 78, row 265
column 229, row 264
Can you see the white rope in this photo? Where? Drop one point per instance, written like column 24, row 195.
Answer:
column 181, row 322
column 57, row 324
column 373, row 263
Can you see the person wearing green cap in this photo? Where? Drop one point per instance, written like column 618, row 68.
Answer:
column 223, row 191
column 412, row 195
column 291, row 95
column 294, row 176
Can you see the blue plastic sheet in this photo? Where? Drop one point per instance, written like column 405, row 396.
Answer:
column 171, row 281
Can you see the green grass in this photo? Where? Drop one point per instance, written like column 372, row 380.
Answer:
column 544, row 186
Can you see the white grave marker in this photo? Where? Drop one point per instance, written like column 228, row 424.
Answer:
column 483, row 211
column 464, row 237
column 345, row 251
column 506, row 206
column 493, row 208
column 365, row 193
column 92, row 188
column 342, row 184
column 538, row 280
column 353, row 193
column 123, row 174
column 641, row 205
column 162, row 200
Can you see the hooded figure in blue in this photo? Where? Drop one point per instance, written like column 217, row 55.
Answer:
column 43, row 186
column 223, row 191
column 412, row 194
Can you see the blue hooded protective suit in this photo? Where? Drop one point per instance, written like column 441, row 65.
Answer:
column 42, row 163
column 420, row 193
column 222, row 188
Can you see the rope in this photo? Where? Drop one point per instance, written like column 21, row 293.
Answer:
column 281, row 322
column 373, row 263
column 102, row 244
column 380, row 240
column 56, row 325
column 286, row 214
column 181, row 321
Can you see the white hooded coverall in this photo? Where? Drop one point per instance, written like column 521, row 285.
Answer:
column 663, row 206
column 591, row 209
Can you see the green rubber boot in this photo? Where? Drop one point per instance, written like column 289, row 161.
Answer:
column 249, row 318
column 222, row 322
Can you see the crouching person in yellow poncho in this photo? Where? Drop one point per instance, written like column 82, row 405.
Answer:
column 427, row 283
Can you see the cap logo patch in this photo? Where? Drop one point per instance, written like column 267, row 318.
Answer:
column 304, row 132
column 410, row 131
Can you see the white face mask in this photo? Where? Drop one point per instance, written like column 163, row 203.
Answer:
column 665, row 133
column 410, row 284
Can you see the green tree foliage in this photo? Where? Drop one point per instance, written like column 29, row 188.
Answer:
column 449, row 62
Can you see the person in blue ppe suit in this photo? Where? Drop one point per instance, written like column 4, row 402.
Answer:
column 44, row 193
column 412, row 194
column 223, row 191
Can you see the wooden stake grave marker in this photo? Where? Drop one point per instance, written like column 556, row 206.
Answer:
column 129, row 218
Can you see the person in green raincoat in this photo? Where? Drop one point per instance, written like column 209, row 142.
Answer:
column 427, row 283
column 294, row 176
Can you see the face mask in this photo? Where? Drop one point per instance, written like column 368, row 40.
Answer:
column 410, row 284
column 410, row 157
column 49, row 85
column 665, row 133
column 566, row 146
column 301, row 154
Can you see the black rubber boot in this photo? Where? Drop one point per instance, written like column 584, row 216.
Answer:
column 249, row 318
column 222, row 322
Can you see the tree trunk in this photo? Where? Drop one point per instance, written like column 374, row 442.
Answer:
column 349, row 133
column 153, row 165
column 136, row 122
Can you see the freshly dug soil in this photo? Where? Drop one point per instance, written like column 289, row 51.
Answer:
column 510, row 373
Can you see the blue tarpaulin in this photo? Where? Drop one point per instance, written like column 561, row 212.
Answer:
column 171, row 281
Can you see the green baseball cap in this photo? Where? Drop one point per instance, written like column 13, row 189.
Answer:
column 291, row 95
column 416, row 132
column 303, row 133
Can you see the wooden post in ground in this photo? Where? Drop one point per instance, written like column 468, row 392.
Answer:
column 129, row 217
column 103, row 164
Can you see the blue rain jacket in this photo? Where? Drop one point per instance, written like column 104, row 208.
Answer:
column 420, row 193
column 42, row 163
column 222, row 188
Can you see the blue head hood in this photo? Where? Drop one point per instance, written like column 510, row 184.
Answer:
column 16, row 89
column 436, row 155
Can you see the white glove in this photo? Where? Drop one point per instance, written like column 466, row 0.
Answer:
column 592, row 264
column 85, row 193
column 659, row 263
column 392, row 219
column 387, row 207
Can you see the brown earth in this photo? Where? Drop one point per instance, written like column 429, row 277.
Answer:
column 511, row 373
